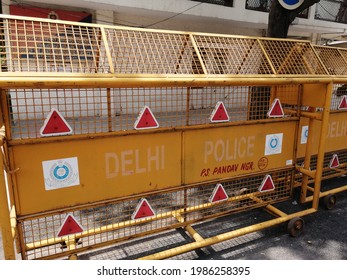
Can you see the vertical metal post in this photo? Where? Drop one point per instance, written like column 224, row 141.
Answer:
column 307, row 161
column 188, row 104
column 109, row 110
column 321, row 146
column 5, row 223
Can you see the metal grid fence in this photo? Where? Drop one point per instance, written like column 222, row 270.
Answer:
column 293, row 57
column 98, row 110
column 227, row 55
column 60, row 47
column 335, row 61
column 328, row 172
column 34, row 46
column 109, row 223
column 339, row 91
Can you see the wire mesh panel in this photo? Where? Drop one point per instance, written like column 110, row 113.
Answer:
column 293, row 57
column 335, row 165
column 147, row 52
column 55, row 46
column 34, row 46
column 113, row 222
column 84, row 109
column 339, row 92
column 333, row 60
column 343, row 52
column 100, row 110
column 228, row 55
column 102, row 176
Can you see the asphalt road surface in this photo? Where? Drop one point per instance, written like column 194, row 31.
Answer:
column 324, row 236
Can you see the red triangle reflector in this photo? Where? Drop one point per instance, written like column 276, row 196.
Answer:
column 219, row 194
column 143, row 210
column 55, row 125
column 219, row 114
column 343, row 103
column 146, row 120
column 334, row 162
column 69, row 226
column 276, row 110
column 267, row 184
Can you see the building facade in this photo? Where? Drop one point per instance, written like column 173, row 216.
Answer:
column 323, row 22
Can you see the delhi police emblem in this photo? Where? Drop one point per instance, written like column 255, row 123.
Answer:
column 60, row 173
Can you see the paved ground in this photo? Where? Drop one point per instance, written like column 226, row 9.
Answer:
column 324, row 237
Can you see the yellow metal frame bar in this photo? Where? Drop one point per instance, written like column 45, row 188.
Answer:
column 224, row 236
column 177, row 214
column 326, row 193
column 5, row 222
column 124, row 81
column 46, row 80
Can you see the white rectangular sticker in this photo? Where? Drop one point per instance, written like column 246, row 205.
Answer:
column 60, row 173
column 304, row 134
column 273, row 144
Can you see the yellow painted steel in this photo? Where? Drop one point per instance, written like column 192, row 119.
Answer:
column 224, row 152
column 177, row 214
column 108, row 168
column 5, row 222
column 336, row 134
column 100, row 82
column 313, row 95
column 320, row 155
column 224, row 236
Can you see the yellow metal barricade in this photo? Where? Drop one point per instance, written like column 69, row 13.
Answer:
column 113, row 133
column 335, row 161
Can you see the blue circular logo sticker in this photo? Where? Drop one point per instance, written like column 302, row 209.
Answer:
column 290, row 4
column 61, row 172
column 274, row 142
column 306, row 133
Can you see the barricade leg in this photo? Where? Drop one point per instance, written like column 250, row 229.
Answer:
column 321, row 147
column 317, row 174
column 5, row 222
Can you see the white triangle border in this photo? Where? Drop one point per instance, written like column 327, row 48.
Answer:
column 138, row 208
column 272, row 107
column 331, row 161
column 63, row 223
column 214, row 193
column 47, row 120
column 339, row 107
column 215, row 111
column 139, row 117
column 263, row 183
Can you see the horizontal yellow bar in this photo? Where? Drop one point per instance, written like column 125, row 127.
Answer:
column 110, row 81
column 111, row 227
column 316, row 116
column 225, row 236
column 332, row 191
column 310, row 173
column 269, row 207
column 289, row 111
column 193, row 233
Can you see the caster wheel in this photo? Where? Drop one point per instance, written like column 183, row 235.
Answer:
column 330, row 201
column 295, row 226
